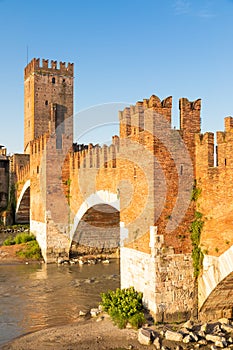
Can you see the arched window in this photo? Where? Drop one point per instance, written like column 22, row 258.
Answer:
column 53, row 80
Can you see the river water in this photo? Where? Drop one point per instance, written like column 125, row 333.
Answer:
column 36, row 296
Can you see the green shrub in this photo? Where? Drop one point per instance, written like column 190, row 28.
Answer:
column 9, row 241
column 31, row 251
column 137, row 320
column 124, row 305
column 196, row 192
column 195, row 230
column 23, row 237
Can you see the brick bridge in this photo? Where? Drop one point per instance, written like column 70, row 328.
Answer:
column 135, row 193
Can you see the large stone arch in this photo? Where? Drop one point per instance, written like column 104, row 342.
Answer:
column 97, row 222
column 215, row 296
column 22, row 212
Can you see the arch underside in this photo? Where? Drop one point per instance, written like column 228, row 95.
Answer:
column 22, row 215
column 99, row 228
column 220, row 301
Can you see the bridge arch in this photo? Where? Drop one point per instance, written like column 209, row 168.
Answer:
column 22, row 212
column 215, row 297
column 97, row 222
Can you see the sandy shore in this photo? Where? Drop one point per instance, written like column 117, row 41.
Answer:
column 90, row 334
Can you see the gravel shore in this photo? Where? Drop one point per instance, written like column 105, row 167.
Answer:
column 93, row 334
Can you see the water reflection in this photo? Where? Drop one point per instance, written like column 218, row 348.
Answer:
column 38, row 296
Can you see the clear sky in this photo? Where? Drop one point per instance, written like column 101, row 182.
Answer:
column 123, row 51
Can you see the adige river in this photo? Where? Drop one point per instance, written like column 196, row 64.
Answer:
column 36, row 296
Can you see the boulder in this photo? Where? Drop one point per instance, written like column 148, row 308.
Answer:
column 227, row 328
column 214, row 338
column 187, row 339
column 204, row 327
column 201, row 334
column 94, row 312
column 188, row 325
column 82, row 313
column 221, row 344
column 217, row 329
column 156, row 343
column 184, row 331
column 224, row 320
column 145, row 336
column 173, row 336
column 193, row 336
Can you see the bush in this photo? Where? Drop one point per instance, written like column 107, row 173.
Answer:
column 9, row 241
column 124, row 305
column 24, row 238
column 19, row 238
column 31, row 251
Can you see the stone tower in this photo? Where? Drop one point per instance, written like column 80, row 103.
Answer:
column 48, row 98
column 48, row 138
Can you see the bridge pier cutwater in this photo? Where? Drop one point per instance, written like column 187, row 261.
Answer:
column 136, row 193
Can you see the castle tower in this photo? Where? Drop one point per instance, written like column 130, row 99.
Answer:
column 48, row 99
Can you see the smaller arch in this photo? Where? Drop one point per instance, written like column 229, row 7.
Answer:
column 22, row 212
column 99, row 197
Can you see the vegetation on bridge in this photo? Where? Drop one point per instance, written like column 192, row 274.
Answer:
column 195, row 230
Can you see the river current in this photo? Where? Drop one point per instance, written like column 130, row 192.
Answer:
column 37, row 296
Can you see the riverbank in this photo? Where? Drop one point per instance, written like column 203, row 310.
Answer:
column 8, row 255
column 92, row 333
column 99, row 333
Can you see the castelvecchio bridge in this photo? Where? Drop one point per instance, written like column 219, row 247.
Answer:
column 164, row 196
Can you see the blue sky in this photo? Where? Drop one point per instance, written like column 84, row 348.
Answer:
column 123, row 51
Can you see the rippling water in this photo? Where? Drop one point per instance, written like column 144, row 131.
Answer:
column 37, row 296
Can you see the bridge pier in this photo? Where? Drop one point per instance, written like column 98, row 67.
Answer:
column 53, row 240
column 165, row 278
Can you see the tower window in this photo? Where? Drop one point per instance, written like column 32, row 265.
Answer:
column 53, row 80
column 181, row 169
column 63, row 81
column 46, row 103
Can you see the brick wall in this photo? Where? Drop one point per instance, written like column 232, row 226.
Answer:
column 216, row 184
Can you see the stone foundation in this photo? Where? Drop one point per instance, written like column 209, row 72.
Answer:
column 166, row 280
column 53, row 243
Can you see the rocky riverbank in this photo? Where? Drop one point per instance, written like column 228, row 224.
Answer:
column 190, row 335
column 95, row 330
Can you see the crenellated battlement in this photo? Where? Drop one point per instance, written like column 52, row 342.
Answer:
column 204, row 139
column 48, row 67
column 38, row 145
column 133, row 117
column 95, row 156
column 22, row 173
column 217, row 155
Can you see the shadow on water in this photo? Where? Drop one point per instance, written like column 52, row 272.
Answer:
column 36, row 296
